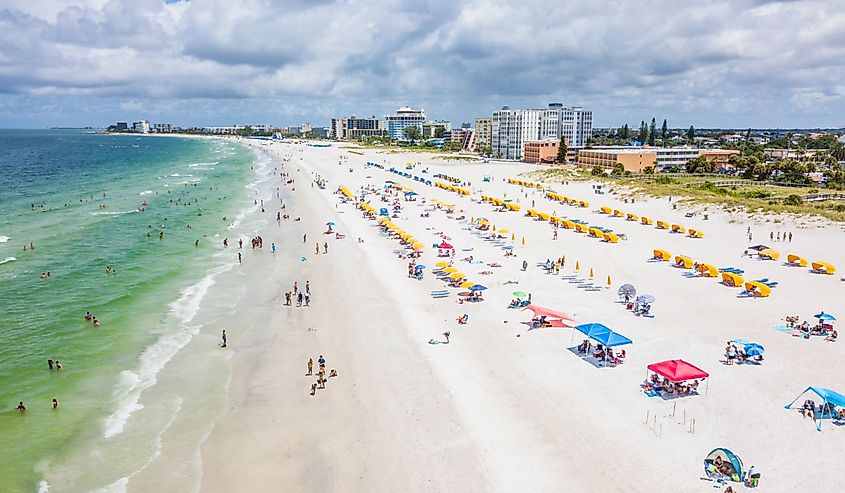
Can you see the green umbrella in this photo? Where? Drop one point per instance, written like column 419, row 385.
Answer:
column 519, row 294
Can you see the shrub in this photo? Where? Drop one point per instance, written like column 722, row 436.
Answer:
column 793, row 200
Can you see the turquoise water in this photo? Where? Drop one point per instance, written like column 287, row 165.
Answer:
column 79, row 198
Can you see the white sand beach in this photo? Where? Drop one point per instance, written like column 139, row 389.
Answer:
column 501, row 407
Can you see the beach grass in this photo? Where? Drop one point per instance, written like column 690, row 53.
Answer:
column 750, row 197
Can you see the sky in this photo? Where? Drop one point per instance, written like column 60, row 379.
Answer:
column 728, row 63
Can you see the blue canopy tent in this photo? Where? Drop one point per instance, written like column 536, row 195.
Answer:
column 829, row 398
column 603, row 335
column 730, row 464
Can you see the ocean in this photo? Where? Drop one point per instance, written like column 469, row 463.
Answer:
column 150, row 208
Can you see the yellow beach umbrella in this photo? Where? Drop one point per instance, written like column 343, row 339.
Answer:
column 441, row 264
column 503, row 231
column 449, row 270
column 417, row 246
column 467, row 284
column 456, row 275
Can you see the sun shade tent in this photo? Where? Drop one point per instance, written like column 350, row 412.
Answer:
column 512, row 207
column 646, row 221
column 581, row 228
column 618, row 213
column 605, row 210
column 567, row 224
column 769, row 254
column 759, row 289
column 611, row 237
column 662, row 255
column 796, row 260
column 543, row 216
column 727, row 457
column 684, row 262
column 820, row 267
column 708, row 270
column 677, row 228
column 828, row 396
column 603, row 335
column 631, row 217
column 540, row 311
column 732, row 280
column 678, row 370
column 596, row 232
column 662, row 225
column 694, row 233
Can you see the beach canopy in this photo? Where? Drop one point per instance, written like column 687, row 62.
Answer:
column 727, row 457
column 678, row 370
column 708, row 270
column 732, row 279
column 662, row 254
column 769, row 254
column 540, row 311
column 820, row 267
column 758, row 289
column 828, row 397
column 684, row 262
column 796, row 260
column 603, row 335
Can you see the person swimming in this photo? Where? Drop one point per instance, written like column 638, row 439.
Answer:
column 88, row 316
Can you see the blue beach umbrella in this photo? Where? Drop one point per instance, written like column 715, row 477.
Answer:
column 754, row 349
column 419, row 267
column 646, row 299
column 477, row 287
column 824, row 316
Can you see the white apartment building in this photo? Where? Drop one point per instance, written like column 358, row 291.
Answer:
column 141, row 127
column 510, row 129
column 403, row 118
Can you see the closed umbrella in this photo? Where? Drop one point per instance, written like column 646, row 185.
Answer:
column 519, row 294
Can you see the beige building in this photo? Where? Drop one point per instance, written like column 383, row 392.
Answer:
column 635, row 159
column 540, row 151
column 483, row 132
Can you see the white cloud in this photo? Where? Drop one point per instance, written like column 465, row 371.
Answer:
column 741, row 62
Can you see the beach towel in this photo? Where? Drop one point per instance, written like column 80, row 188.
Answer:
column 652, row 393
column 783, row 328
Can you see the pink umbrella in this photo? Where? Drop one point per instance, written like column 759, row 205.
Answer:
column 445, row 245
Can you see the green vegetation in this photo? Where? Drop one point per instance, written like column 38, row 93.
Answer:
column 561, row 150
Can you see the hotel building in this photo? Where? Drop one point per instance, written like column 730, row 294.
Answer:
column 403, row 118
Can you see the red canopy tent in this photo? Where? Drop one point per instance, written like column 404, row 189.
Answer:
column 553, row 317
column 678, row 370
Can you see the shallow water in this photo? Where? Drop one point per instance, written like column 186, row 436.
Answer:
column 79, row 198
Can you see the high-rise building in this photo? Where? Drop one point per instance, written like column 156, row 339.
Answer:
column 141, row 127
column 483, row 132
column 510, row 129
column 435, row 128
column 354, row 128
column 403, row 118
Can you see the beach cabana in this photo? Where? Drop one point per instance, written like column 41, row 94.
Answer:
column 605, row 210
column 707, row 270
column 662, row 255
column 596, row 232
column 678, row 370
column 631, row 217
column 581, row 228
column 820, row 267
column 730, row 467
column 604, row 336
column 543, row 216
column 694, row 233
column 553, row 318
column 512, row 207
column 618, row 213
column 758, row 289
column 677, row 228
column 662, row 225
column 684, row 262
column 796, row 260
column 583, row 203
column 769, row 254
column 646, row 221
column 567, row 224
column 732, row 280
column 830, row 399
column 611, row 238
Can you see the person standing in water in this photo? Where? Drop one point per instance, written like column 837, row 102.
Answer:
column 21, row 408
column 225, row 339
column 239, row 258
column 55, row 404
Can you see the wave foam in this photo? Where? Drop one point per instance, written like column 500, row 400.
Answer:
column 7, row 260
column 146, row 192
column 118, row 213
column 4, row 239
column 156, row 356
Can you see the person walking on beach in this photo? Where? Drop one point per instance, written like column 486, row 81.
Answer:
column 295, row 287
column 524, row 265
column 287, row 298
column 307, row 300
column 225, row 339
column 299, row 299
column 307, row 287
column 313, row 388
column 790, row 236
column 310, row 367
column 304, row 238
column 325, row 248
column 225, row 242
column 273, row 247
column 317, row 248
column 322, row 362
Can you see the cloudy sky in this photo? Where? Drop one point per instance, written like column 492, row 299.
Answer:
column 734, row 63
